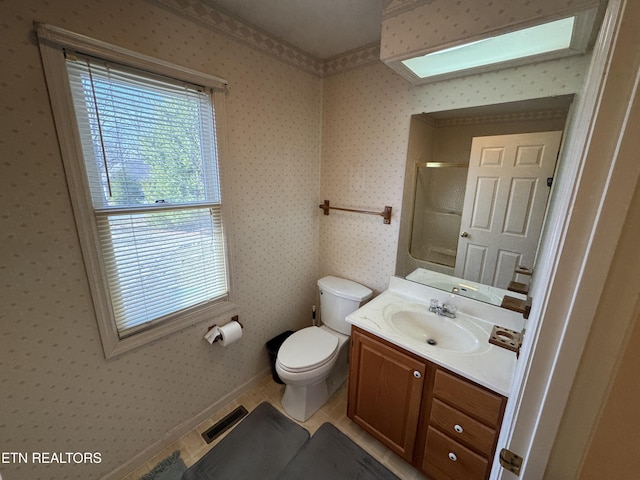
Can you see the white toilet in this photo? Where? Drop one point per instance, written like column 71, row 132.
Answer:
column 313, row 362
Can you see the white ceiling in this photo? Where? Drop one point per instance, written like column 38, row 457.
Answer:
column 322, row 28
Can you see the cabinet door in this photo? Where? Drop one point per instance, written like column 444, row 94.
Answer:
column 385, row 392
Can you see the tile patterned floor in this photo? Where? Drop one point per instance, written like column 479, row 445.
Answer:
column 192, row 447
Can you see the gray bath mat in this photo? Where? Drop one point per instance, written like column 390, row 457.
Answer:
column 259, row 447
column 171, row 468
column 330, row 454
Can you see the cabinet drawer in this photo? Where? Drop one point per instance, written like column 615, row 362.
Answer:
column 471, row 399
column 445, row 458
column 462, row 428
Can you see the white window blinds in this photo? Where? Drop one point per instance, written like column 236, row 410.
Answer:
column 150, row 155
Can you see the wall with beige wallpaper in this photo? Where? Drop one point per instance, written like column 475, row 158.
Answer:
column 58, row 393
column 366, row 118
column 294, row 140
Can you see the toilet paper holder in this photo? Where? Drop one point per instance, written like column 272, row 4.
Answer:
column 218, row 335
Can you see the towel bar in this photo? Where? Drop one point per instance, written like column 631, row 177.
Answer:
column 386, row 214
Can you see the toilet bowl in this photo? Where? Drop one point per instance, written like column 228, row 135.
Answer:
column 313, row 362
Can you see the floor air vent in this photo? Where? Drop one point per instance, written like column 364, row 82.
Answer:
column 224, row 424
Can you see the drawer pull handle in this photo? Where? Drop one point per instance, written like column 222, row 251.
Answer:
column 417, row 374
column 453, row 457
column 458, row 428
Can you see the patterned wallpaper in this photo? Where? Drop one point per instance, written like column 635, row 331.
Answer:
column 295, row 138
column 366, row 118
column 57, row 392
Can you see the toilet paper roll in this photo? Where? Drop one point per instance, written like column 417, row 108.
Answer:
column 230, row 333
column 211, row 335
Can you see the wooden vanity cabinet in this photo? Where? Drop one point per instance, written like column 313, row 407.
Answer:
column 385, row 392
column 443, row 424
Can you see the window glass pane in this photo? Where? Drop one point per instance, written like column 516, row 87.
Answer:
column 159, row 263
column 150, row 156
column 146, row 141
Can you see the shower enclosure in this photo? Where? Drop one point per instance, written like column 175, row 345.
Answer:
column 439, row 197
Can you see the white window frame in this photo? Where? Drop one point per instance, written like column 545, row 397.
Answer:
column 53, row 42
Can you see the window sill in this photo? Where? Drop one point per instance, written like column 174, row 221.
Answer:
column 114, row 346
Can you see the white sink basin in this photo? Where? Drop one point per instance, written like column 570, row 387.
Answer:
column 417, row 323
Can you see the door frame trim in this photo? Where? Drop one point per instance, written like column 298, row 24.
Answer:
column 582, row 241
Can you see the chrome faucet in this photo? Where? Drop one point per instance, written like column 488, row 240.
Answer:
column 442, row 309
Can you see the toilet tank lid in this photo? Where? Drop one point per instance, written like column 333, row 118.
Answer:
column 345, row 288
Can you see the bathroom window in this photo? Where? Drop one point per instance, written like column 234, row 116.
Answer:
column 144, row 174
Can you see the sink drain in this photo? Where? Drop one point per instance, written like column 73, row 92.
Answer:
column 431, row 341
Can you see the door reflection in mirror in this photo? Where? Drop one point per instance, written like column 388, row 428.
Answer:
column 477, row 233
column 504, row 205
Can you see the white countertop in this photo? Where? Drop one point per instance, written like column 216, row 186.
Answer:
column 488, row 365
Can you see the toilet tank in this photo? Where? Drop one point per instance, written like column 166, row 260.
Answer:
column 338, row 298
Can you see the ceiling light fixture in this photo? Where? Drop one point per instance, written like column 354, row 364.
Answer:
column 553, row 39
column 538, row 40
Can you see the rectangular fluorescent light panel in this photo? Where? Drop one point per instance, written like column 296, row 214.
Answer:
column 545, row 38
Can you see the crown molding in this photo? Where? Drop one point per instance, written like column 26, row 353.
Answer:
column 393, row 8
column 229, row 25
column 200, row 12
column 358, row 57
column 510, row 117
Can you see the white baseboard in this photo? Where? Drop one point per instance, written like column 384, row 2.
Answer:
column 182, row 429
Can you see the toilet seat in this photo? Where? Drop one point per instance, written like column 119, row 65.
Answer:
column 307, row 349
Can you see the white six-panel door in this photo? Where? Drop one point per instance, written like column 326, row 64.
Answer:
column 504, row 205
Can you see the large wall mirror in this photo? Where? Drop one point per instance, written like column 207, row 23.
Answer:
column 478, row 182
